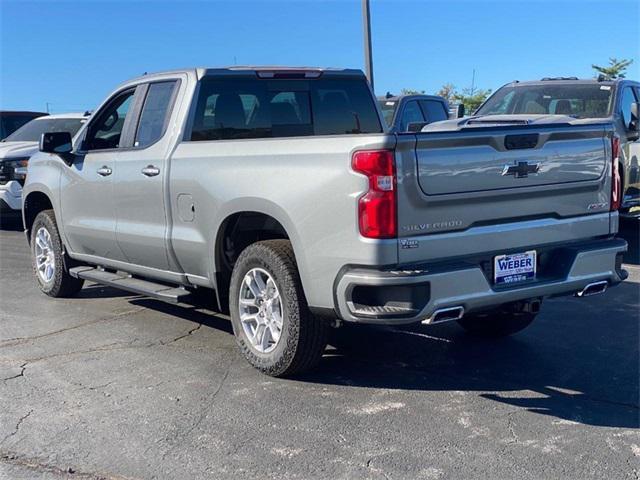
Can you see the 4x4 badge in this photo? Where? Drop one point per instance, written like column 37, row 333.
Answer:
column 520, row 169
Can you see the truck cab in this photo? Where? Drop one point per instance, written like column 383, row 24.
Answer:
column 409, row 113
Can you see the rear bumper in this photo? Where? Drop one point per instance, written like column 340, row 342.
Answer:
column 416, row 292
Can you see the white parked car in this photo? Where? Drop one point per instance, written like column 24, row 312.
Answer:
column 17, row 148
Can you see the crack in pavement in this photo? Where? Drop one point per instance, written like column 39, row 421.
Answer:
column 203, row 413
column 17, row 427
column 36, row 465
column 190, row 332
column 108, row 347
column 23, row 367
column 374, row 469
column 19, row 340
column 510, row 425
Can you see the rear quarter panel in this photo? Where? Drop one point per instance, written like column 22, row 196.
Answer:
column 305, row 183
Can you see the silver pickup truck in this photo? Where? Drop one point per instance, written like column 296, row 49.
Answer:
column 279, row 191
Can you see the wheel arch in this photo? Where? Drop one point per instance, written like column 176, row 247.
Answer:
column 240, row 227
column 33, row 203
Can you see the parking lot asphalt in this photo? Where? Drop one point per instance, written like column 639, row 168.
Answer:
column 114, row 386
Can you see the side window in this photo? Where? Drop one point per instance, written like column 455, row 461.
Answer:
column 105, row 132
column 434, row 110
column 411, row 114
column 154, row 116
column 628, row 97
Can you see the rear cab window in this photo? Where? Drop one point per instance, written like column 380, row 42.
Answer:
column 251, row 107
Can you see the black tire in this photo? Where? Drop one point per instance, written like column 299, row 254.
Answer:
column 61, row 284
column 496, row 324
column 304, row 337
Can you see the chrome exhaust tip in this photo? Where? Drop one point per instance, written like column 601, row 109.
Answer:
column 444, row 315
column 595, row 288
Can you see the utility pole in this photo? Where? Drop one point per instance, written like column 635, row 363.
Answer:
column 473, row 82
column 368, row 56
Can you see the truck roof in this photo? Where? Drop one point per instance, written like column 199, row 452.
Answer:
column 397, row 98
column 310, row 72
column 569, row 81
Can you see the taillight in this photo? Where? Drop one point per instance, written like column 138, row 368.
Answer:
column 377, row 207
column 616, row 180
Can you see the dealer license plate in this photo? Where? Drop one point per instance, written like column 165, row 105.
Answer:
column 514, row 268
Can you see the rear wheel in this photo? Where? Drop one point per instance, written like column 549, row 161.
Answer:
column 272, row 323
column 496, row 324
column 50, row 262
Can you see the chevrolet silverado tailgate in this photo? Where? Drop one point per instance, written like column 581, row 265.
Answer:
column 482, row 189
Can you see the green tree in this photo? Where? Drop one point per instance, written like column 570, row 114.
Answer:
column 615, row 69
column 471, row 99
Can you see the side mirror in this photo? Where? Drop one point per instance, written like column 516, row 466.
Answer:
column 414, row 127
column 457, row 111
column 56, row 142
column 634, row 124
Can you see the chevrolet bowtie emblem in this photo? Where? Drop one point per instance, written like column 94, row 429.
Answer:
column 520, row 169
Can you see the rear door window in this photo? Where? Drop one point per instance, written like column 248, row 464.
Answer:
column 411, row 114
column 434, row 110
column 155, row 113
column 240, row 108
column 628, row 97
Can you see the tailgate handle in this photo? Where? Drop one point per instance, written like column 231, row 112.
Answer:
column 519, row 142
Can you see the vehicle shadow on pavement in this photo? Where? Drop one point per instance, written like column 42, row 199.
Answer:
column 580, row 371
column 193, row 314
column 11, row 224
column 100, row 291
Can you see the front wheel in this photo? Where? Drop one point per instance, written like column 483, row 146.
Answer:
column 50, row 262
column 496, row 324
column 272, row 323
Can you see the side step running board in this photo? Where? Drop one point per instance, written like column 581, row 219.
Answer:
column 124, row 281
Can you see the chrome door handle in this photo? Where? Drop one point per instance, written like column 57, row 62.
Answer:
column 150, row 171
column 104, row 171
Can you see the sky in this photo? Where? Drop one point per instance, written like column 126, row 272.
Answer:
column 68, row 55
